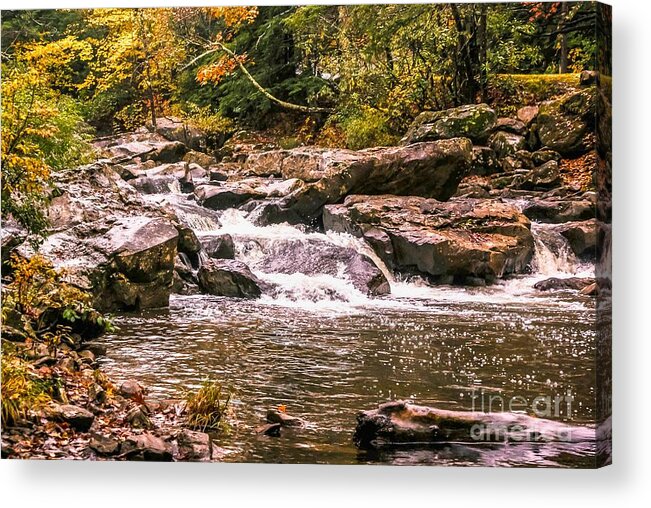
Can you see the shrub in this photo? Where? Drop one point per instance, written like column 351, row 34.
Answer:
column 205, row 408
column 367, row 127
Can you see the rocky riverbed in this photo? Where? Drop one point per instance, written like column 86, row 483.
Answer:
column 468, row 202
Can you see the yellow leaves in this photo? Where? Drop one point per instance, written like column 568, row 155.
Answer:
column 234, row 17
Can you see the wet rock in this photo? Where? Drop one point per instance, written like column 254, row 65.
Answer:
column 269, row 429
column 104, row 445
column 138, row 419
column 131, row 389
column 460, row 238
column 544, row 177
column 228, row 277
column 285, row 420
column 77, row 417
column 399, row 423
column 87, row 357
column 563, row 124
column 161, row 184
column 559, row 210
column 66, row 363
column 472, row 191
column 527, row 114
column 194, row 446
column 506, row 143
column 315, row 257
column 582, row 237
column 175, row 129
column 188, row 242
column 554, row 283
column 474, row 121
column 218, row 176
column 431, row 169
column 147, row 447
column 587, row 78
column 218, row 246
column 96, row 348
column 222, row 197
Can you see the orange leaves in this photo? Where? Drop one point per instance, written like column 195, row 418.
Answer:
column 234, row 17
column 216, row 71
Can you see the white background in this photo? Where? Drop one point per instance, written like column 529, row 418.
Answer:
column 626, row 483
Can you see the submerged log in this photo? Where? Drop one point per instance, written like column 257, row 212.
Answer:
column 403, row 423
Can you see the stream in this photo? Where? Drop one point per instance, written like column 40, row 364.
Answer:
column 327, row 351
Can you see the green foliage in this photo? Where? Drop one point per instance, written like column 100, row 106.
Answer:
column 40, row 302
column 42, row 130
column 367, row 127
column 205, row 409
column 23, row 390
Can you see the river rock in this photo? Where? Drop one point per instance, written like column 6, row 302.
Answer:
column 147, row 447
column 544, row 177
column 218, row 246
column 138, row 419
column 12, row 235
column 314, row 257
column 285, row 420
column 511, row 125
column 555, row 283
column 77, row 417
column 582, row 237
column 563, row 124
column 104, row 445
column 160, row 184
column 540, row 157
column 559, row 210
column 506, row 143
column 400, row 423
column 226, row 195
column 527, row 114
column 175, row 129
column 484, row 161
column 141, row 145
column 461, row 238
column 131, row 389
column 431, row 169
column 269, row 429
column 194, row 446
column 228, row 277
column 473, row 121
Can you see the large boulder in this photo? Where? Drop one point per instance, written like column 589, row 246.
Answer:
column 558, row 210
column 109, row 240
column 175, row 129
column 564, row 124
column 147, row 447
column 431, row 169
column 77, row 417
column 142, row 146
column 224, row 196
column 401, row 423
column 544, row 177
column 320, row 257
column 473, row 121
column 506, row 143
column 228, row 277
column 461, row 240
column 218, row 246
column 582, row 237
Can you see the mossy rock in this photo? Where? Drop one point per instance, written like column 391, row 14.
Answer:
column 474, row 121
column 563, row 125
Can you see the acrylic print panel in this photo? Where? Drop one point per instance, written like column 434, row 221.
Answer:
column 362, row 234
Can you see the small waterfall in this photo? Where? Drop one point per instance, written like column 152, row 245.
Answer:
column 553, row 255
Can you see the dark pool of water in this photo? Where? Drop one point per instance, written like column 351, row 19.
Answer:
column 326, row 363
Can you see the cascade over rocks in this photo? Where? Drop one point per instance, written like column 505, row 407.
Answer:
column 432, row 169
column 460, row 240
column 320, row 257
column 473, row 121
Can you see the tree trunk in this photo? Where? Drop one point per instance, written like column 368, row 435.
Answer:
column 562, row 67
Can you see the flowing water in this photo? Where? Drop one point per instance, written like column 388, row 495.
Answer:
column 326, row 351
